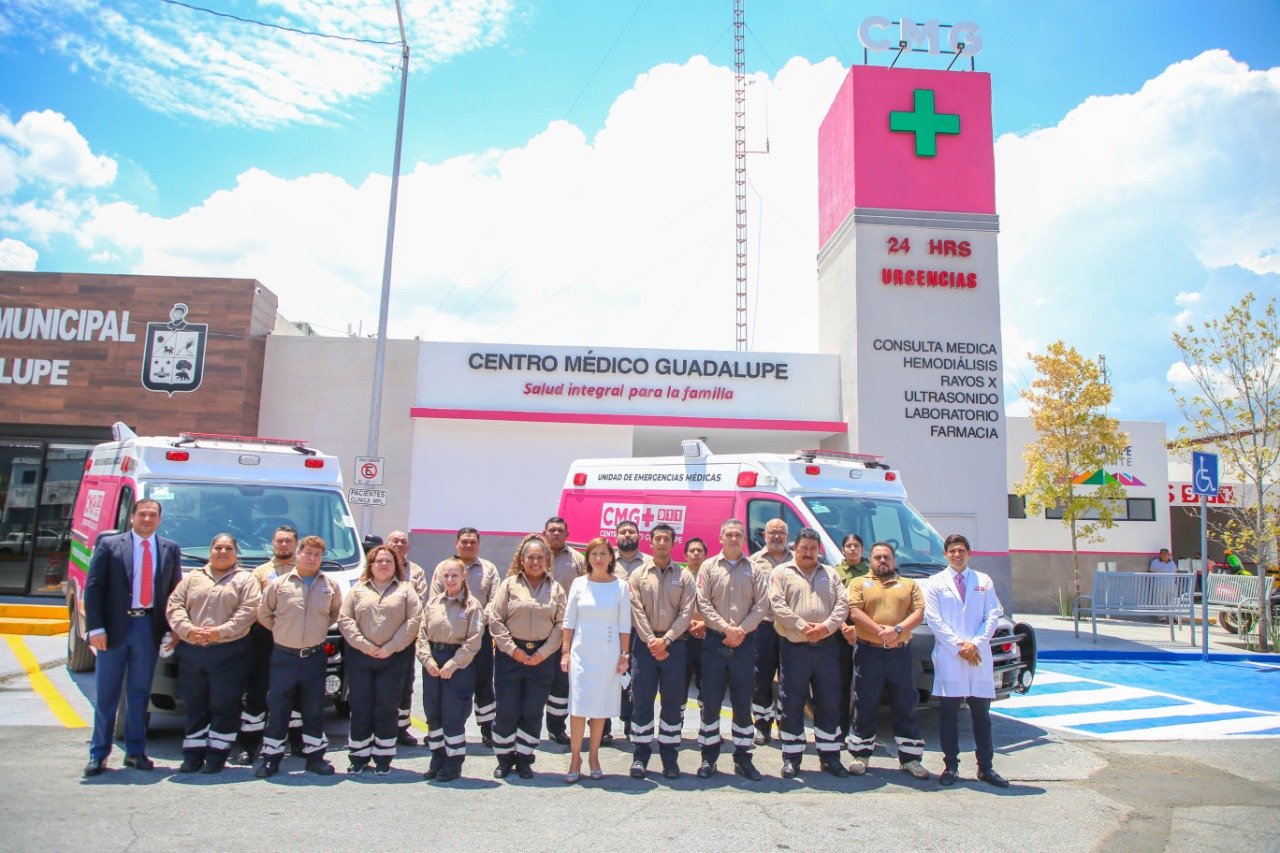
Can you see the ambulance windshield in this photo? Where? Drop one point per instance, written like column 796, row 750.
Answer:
column 918, row 546
column 194, row 513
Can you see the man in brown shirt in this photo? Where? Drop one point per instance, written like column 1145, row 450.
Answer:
column 885, row 608
column 565, row 564
column 764, row 710
column 398, row 541
column 253, row 719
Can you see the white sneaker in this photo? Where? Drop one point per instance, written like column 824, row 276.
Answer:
column 858, row 766
column 916, row 769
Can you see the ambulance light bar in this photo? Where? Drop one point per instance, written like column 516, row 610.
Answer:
column 868, row 460
column 298, row 444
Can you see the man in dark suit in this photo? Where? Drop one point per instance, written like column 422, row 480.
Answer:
column 131, row 576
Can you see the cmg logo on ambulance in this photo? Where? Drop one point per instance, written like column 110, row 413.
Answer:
column 644, row 516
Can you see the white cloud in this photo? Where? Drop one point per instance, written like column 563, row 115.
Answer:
column 184, row 62
column 44, row 147
column 17, row 255
column 621, row 239
column 1134, row 197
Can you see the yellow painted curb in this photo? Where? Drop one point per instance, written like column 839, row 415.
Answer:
column 35, row 627
column 43, row 687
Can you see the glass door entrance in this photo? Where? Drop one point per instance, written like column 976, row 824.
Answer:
column 38, row 484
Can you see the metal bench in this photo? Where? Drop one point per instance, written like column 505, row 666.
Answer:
column 1138, row 594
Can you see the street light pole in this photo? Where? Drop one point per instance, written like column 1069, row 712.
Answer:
column 380, row 358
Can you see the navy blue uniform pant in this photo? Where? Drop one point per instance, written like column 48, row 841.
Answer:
column 297, row 683
column 522, row 699
column 846, row 686
column 557, row 699
column 446, row 703
column 482, row 663
column 949, row 731
column 404, row 709
column 693, row 664
column 810, row 669
column 879, row 671
column 253, row 716
column 210, row 679
column 127, row 668
column 651, row 677
column 763, row 710
column 373, row 689
column 728, row 669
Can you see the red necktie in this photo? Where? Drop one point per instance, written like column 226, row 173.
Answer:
column 144, row 596
column 960, row 585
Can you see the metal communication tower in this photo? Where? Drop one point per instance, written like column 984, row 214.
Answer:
column 740, row 169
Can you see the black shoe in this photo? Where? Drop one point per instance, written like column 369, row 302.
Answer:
column 638, row 770
column 671, row 771
column 139, row 762
column 605, row 739
column 295, row 748
column 432, row 773
column 524, row 771
column 406, row 739
column 762, row 736
column 191, row 765
column 211, row 767
column 502, row 771
column 244, row 758
column 320, row 767
column 744, row 768
column 486, row 734
column 991, row 777
column 561, row 738
column 834, row 767
column 448, row 775
column 706, row 770
column 382, row 769
column 789, row 770
column 94, row 767
column 356, row 767
column 267, row 769
column 947, row 778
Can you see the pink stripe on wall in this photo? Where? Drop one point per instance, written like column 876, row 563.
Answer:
column 628, row 420
column 1089, row 553
column 454, row 531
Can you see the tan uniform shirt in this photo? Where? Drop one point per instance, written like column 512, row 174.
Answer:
column 481, row 577
column 418, row 578
column 766, row 562
column 887, row 601
column 272, row 569
column 732, row 594
column 566, row 567
column 371, row 620
column 449, row 620
column 662, row 601
column 298, row 617
column 623, row 568
column 798, row 599
column 519, row 612
column 229, row 603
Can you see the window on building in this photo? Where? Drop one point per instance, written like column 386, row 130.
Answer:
column 1017, row 506
column 1141, row 509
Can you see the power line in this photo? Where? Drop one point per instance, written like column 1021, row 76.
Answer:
column 277, row 26
column 604, row 59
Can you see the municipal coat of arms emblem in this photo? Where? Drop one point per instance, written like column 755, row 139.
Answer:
column 174, row 357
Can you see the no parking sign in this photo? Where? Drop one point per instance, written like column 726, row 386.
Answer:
column 368, row 470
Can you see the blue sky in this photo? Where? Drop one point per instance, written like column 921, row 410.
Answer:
column 566, row 161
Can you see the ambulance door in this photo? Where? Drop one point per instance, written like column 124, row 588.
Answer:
column 762, row 510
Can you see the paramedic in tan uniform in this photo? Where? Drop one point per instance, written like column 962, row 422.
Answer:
column 398, row 541
column 566, row 565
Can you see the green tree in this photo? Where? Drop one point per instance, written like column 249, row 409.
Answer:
column 1234, row 365
column 1074, row 436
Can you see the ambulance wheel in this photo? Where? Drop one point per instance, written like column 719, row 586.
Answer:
column 79, row 654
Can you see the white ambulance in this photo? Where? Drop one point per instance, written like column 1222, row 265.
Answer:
column 206, row 485
column 834, row 493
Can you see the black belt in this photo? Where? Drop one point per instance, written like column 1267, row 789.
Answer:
column 529, row 645
column 138, row 612
column 830, row 638
column 445, row 647
column 301, row 653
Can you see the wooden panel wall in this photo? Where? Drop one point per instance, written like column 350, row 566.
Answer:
column 104, row 377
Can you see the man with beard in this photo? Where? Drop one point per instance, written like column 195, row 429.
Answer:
column 253, row 719
column 628, row 560
column 885, row 609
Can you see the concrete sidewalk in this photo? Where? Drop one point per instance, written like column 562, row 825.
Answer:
column 1121, row 638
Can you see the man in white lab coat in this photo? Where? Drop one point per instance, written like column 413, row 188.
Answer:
column 961, row 608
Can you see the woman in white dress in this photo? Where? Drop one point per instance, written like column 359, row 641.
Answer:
column 595, row 651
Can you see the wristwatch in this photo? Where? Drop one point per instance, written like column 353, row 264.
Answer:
column 626, row 654
column 897, row 629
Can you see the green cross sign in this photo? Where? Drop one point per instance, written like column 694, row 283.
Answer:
column 924, row 123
